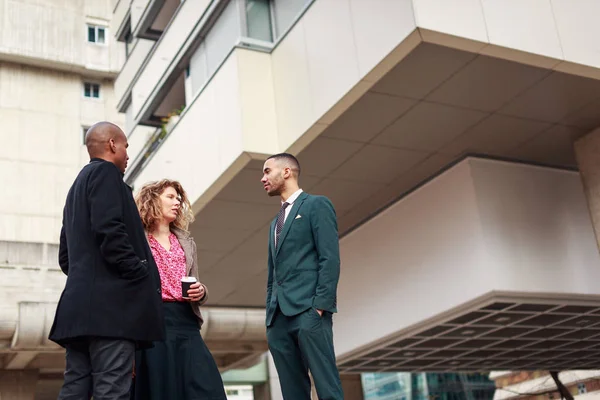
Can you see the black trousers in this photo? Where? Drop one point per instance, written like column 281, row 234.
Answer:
column 98, row 367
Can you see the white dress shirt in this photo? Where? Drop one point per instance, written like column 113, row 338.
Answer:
column 290, row 201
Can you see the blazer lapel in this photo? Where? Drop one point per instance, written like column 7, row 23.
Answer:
column 290, row 220
column 186, row 245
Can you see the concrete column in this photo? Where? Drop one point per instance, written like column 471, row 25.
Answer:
column 18, row 385
column 352, row 386
column 587, row 153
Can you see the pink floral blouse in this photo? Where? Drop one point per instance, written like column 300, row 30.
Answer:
column 171, row 266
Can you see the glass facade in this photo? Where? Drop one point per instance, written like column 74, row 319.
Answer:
column 427, row 386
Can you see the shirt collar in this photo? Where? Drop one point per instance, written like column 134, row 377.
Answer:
column 293, row 197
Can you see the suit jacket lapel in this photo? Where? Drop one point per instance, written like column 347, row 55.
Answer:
column 290, row 220
column 272, row 238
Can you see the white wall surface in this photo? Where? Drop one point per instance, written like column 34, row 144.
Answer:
column 559, row 29
column 118, row 16
column 131, row 67
column 480, row 226
column 42, row 114
column 137, row 9
column 56, row 31
column 333, row 46
column 137, row 141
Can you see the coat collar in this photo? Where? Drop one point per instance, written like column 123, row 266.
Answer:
column 180, row 233
column 102, row 160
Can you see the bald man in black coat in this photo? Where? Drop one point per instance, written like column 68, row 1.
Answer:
column 111, row 303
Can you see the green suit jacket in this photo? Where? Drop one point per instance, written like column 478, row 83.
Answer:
column 304, row 267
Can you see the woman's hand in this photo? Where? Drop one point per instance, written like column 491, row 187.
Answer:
column 196, row 292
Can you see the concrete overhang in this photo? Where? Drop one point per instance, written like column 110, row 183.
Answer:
column 64, row 66
column 425, row 107
column 496, row 331
column 155, row 18
column 120, row 21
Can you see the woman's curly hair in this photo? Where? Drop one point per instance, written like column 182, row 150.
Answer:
column 148, row 203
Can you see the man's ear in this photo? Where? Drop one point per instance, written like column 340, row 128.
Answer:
column 287, row 172
column 112, row 145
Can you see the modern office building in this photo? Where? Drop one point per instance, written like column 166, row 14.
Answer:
column 539, row 385
column 426, row 386
column 455, row 138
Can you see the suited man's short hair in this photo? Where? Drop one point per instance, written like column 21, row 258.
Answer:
column 289, row 159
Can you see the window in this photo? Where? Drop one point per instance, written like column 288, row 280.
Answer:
column 128, row 43
column 91, row 90
column 96, row 34
column 84, row 130
column 581, row 389
column 258, row 20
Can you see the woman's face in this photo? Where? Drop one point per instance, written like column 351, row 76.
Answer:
column 170, row 204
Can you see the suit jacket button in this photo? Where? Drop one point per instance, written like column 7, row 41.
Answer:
column 158, row 290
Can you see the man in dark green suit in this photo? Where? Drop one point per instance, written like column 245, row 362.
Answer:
column 304, row 269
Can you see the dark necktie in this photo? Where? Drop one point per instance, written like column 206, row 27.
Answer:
column 280, row 221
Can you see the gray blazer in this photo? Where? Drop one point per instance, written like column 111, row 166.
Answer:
column 191, row 260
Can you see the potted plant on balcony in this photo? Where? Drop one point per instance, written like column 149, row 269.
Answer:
column 170, row 120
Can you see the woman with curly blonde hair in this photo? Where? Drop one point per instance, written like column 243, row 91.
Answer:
column 181, row 367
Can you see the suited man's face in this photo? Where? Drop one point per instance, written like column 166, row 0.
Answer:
column 273, row 177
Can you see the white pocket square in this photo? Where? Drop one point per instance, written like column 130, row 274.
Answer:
column 298, row 216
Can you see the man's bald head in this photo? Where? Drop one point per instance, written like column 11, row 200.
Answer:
column 107, row 141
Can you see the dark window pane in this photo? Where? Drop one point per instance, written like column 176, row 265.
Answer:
column 96, row 90
column 87, row 90
column 91, row 34
column 100, row 35
column 128, row 42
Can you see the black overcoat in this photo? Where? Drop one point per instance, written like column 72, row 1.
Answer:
column 113, row 284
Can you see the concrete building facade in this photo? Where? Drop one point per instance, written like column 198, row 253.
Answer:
column 445, row 134
column 58, row 63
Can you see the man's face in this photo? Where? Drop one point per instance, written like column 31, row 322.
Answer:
column 273, row 177
column 119, row 147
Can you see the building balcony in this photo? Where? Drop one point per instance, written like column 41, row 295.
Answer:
column 155, row 16
column 147, row 78
column 140, row 50
column 375, row 100
column 121, row 18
